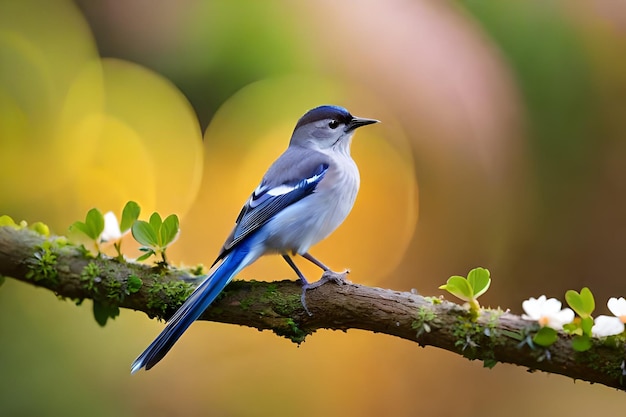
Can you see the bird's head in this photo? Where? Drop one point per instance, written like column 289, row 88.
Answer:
column 327, row 127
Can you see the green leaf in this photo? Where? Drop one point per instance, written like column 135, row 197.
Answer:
column 589, row 304
column 146, row 255
column 156, row 222
column 133, row 284
column 102, row 312
column 581, row 343
column 513, row 335
column 573, row 328
column 459, row 287
column 545, row 337
column 95, row 223
column 2, row 280
column 479, row 280
column 145, row 234
column 583, row 304
column 169, row 230
column 129, row 215
column 81, row 227
column 93, row 226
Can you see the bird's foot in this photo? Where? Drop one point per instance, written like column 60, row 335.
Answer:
column 338, row 278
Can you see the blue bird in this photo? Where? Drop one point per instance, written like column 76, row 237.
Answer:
column 303, row 197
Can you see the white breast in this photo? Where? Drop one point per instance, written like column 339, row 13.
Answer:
column 316, row 216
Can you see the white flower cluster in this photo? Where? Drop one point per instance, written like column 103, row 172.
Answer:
column 548, row 312
column 611, row 325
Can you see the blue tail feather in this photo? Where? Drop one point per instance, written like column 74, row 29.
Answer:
column 192, row 308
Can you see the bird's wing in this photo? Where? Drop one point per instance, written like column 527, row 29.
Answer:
column 272, row 196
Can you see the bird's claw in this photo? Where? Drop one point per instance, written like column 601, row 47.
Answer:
column 338, row 278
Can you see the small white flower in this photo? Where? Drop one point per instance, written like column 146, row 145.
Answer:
column 111, row 228
column 617, row 306
column 609, row 325
column 547, row 312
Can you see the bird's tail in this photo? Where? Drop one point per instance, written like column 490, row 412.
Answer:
column 192, row 308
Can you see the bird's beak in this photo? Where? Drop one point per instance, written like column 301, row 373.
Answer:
column 357, row 122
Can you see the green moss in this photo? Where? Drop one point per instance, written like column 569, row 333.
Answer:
column 42, row 265
column 298, row 335
column 423, row 320
column 610, row 362
column 114, row 290
column 133, row 284
column 282, row 304
column 246, row 303
column 271, row 289
column 471, row 336
column 467, row 334
column 168, row 295
column 90, row 276
column 291, row 331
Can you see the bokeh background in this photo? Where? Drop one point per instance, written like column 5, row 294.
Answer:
column 504, row 127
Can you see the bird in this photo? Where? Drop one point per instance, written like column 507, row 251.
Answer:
column 303, row 197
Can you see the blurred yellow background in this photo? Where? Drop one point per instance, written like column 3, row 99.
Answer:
column 506, row 119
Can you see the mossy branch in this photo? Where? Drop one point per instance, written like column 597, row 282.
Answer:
column 495, row 336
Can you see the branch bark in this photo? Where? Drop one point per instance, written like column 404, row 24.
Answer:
column 496, row 336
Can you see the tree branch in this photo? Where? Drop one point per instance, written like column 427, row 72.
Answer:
column 496, row 336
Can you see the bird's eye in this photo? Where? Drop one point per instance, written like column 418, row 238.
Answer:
column 333, row 124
